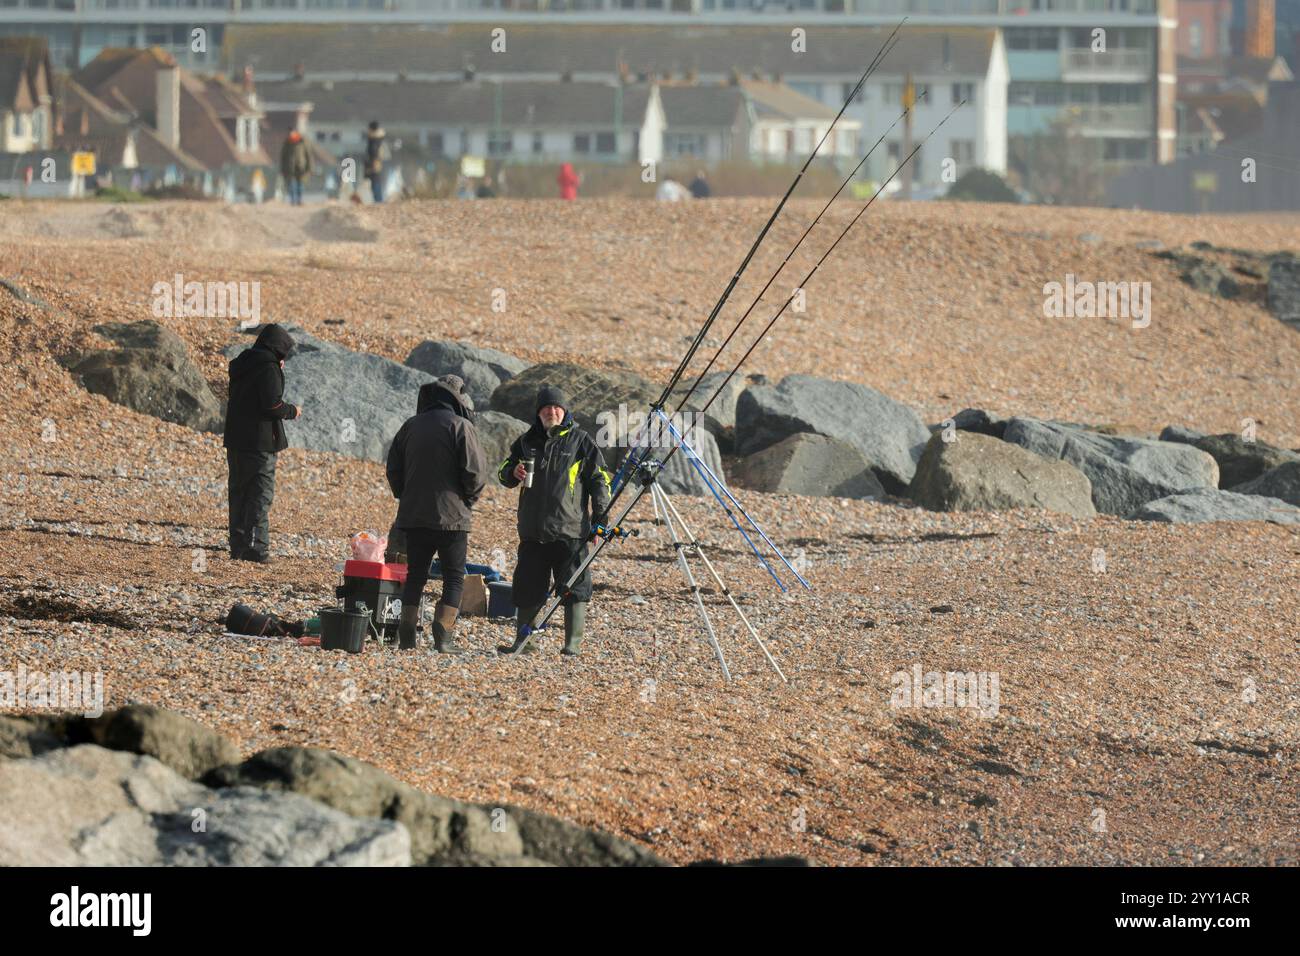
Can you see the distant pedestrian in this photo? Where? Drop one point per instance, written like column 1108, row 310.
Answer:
column 375, row 151
column 568, row 180
column 700, row 186
column 295, row 165
column 254, row 435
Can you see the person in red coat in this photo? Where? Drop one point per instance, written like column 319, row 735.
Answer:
column 568, row 180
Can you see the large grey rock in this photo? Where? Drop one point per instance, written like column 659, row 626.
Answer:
column 1284, row 289
column 680, row 476
column 720, row 419
column 595, row 394
column 890, row 435
column 352, row 402
column 1214, row 504
column 1181, row 435
column 438, row 827
column 976, row 420
column 565, row 844
column 24, row 736
column 150, row 373
column 1125, row 473
column 807, row 464
column 977, row 472
column 482, row 369
column 1281, row 482
column 1241, row 461
column 89, row 806
column 188, row 747
column 496, row 432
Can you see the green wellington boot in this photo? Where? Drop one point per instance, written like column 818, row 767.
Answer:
column 575, row 620
column 526, row 614
column 444, row 622
column 406, row 629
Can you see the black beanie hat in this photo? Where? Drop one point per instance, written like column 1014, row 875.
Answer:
column 551, row 395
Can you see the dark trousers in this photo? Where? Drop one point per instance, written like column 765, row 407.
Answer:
column 295, row 191
column 250, row 488
column 376, row 189
column 540, row 562
column 421, row 546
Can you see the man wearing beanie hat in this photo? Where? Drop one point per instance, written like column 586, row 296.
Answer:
column 437, row 473
column 569, row 475
column 254, row 435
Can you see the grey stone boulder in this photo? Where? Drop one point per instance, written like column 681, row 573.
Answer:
column 352, row 403
column 90, row 806
column 890, row 435
column 977, row 472
column 1282, row 482
column 482, row 369
column 1181, row 435
column 496, row 432
column 1284, row 289
column 974, row 420
column 188, row 747
column 1241, row 461
column 593, row 393
column 680, row 476
column 557, row 842
column 1214, row 504
column 807, row 464
column 23, row 736
column 1125, row 473
column 437, row 826
column 151, row 373
column 720, row 419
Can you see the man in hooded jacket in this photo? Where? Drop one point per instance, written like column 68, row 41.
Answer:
column 437, row 472
column 568, row 475
column 254, row 435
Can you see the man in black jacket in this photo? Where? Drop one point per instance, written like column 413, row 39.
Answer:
column 437, row 473
column 255, row 416
column 568, row 473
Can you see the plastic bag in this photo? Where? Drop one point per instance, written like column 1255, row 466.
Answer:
column 368, row 546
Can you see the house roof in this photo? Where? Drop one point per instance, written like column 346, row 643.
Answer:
column 549, row 50
column 15, row 90
column 700, row 106
column 127, row 80
column 1259, row 70
column 90, row 123
column 32, row 54
column 1234, row 113
column 780, row 101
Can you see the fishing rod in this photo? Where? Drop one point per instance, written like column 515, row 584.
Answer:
column 726, row 293
column 681, row 404
column 817, row 265
column 647, row 472
column 890, row 42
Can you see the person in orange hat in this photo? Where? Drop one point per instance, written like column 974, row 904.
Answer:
column 295, row 165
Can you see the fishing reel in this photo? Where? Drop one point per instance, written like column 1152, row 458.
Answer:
column 647, row 471
column 617, row 532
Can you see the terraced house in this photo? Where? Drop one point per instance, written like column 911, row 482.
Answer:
column 1103, row 70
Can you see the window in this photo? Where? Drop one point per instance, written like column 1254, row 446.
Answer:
column 1125, row 149
column 963, row 151
column 847, row 88
column 685, row 144
column 1195, row 38
column 434, row 142
column 606, row 143
column 539, row 143
column 963, row 91
column 582, row 143
column 500, row 142
column 1115, row 94
column 1032, row 38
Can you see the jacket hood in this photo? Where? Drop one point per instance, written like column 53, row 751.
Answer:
column 445, row 393
column 275, row 338
column 537, row 432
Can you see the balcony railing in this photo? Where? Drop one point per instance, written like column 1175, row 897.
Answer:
column 1119, row 60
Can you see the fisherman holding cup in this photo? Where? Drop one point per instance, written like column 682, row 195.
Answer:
column 567, row 476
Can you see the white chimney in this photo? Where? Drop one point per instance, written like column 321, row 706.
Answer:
column 167, row 105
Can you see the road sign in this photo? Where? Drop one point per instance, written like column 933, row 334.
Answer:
column 83, row 164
